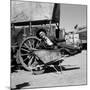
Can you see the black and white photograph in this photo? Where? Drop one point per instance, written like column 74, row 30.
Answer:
column 48, row 44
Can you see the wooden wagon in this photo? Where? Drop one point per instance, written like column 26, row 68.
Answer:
column 28, row 18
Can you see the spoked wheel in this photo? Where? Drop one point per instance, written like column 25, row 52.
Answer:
column 27, row 56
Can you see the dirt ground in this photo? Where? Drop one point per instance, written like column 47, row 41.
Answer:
column 75, row 76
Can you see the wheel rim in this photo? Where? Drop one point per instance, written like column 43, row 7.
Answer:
column 27, row 53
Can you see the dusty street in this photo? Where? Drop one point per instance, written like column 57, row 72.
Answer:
column 67, row 77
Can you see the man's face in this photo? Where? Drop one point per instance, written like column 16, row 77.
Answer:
column 42, row 34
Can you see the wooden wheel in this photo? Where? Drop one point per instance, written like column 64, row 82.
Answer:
column 27, row 56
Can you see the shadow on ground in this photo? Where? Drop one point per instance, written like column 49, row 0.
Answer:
column 49, row 69
column 64, row 68
column 20, row 86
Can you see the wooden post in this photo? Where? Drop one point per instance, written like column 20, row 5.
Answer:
column 73, row 39
column 50, row 28
column 24, row 34
column 30, row 28
column 12, row 27
column 57, row 31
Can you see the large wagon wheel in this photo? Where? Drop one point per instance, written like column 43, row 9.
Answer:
column 27, row 56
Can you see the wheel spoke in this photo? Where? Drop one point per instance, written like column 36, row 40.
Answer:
column 36, row 58
column 23, row 46
column 28, row 57
column 25, row 59
column 30, row 61
column 37, row 44
column 33, row 43
column 25, row 50
column 29, row 44
column 24, row 54
column 26, row 46
column 33, row 60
